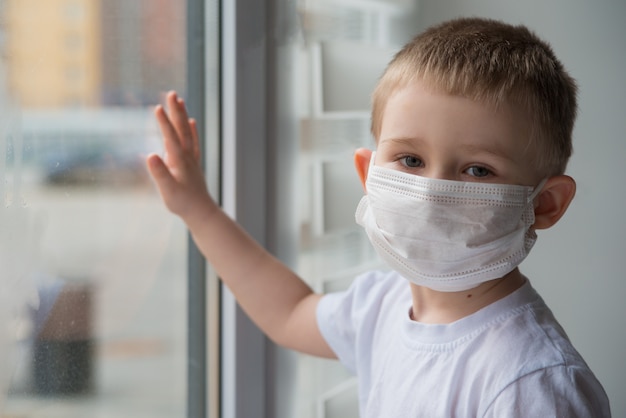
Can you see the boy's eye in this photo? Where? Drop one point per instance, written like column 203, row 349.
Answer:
column 411, row 161
column 478, row 171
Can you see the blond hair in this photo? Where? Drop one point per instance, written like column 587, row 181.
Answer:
column 492, row 62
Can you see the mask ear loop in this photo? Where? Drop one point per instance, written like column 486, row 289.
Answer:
column 371, row 164
column 372, row 158
column 537, row 190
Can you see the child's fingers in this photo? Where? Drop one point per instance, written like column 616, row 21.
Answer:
column 195, row 144
column 171, row 140
column 180, row 120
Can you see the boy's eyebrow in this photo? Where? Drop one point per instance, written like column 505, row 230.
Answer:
column 400, row 140
column 495, row 151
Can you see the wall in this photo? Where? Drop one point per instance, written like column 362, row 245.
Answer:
column 575, row 265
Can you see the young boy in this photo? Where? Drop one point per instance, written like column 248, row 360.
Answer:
column 473, row 122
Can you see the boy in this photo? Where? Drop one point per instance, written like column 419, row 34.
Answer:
column 473, row 122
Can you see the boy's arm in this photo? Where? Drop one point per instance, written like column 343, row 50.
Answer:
column 274, row 297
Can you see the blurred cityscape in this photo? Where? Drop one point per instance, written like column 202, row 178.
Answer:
column 83, row 74
column 78, row 79
column 69, row 53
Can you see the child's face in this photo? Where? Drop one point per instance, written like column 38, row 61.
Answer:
column 437, row 135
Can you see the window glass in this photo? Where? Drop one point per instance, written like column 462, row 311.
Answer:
column 92, row 287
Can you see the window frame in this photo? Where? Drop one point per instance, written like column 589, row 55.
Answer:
column 197, row 318
column 244, row 378
column 227, row 353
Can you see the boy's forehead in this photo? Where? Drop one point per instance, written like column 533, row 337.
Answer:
column 418, row 111
column 424, row 98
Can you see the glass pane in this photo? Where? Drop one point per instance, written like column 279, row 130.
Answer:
column 92, row 287
column 329, row 59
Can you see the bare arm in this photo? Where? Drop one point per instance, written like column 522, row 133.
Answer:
column 276, row 299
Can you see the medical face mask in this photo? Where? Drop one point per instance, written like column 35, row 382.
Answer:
column 447, row 235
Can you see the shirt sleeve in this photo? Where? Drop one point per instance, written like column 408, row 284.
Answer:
column 347, row 320
column 558, row 391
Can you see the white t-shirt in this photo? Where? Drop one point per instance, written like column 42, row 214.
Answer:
column 510, row 359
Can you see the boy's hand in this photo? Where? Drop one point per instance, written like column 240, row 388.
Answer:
column 280, row 303
column 178, row 175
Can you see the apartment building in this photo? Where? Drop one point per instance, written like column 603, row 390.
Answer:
column 68, row 53
column 52, row 52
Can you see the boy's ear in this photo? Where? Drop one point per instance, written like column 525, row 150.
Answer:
column 553, row 200
column 362, row 158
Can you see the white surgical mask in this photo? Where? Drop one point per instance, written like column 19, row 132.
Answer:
column 447, row 235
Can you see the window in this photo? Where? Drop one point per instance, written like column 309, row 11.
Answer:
column 73, row 42
column 73, row 10
column 116, row 326
column 93, row 289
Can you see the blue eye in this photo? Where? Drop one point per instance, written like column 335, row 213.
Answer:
column 478, row 171
column 411, row 161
